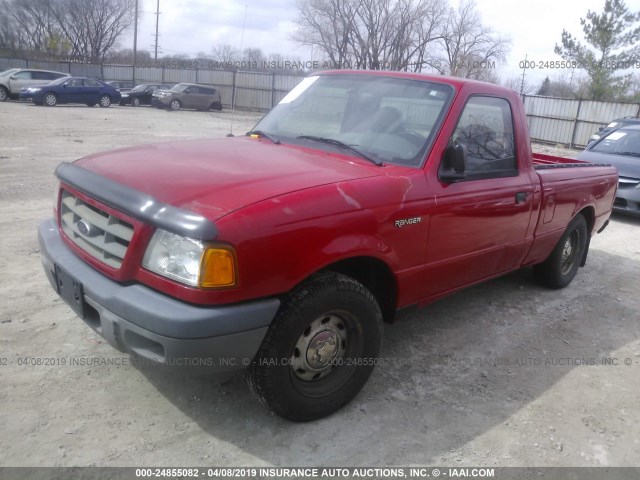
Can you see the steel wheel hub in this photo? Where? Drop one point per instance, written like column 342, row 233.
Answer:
column 569, row 251
column 320, row 348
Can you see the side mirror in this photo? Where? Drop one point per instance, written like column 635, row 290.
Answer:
column 600, row 129
column 454, row 163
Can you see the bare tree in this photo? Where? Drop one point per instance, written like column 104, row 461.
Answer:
column 93, row 27
column 373, row 34
column 225, row 54
column 470, row 49
column 516, row 84
column 82, row 29
column 33, row 27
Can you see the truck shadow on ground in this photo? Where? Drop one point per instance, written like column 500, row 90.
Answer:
column 449, row 372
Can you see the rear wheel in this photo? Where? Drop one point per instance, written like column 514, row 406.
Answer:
column 320, row 349
column 175, row 105
column 105, row 101
column 216, row 106
column 4, row 94
column 561, row 266
column 50, row 100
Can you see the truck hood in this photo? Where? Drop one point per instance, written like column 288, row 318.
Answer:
column 215, row 177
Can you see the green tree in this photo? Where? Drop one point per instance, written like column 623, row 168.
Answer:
column 612, row 39
column 545, row 88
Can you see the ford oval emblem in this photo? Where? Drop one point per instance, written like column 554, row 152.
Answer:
column 84, row 227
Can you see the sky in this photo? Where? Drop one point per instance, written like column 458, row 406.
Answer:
column 192, row 26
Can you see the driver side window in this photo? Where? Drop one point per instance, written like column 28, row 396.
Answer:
column 485, row 129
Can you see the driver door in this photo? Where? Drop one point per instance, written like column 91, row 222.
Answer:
column 479, row 223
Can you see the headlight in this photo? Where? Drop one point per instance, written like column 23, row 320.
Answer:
column 125, row 95
column 190, row 261
column 33, row 89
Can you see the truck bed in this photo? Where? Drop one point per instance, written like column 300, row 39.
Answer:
column 542, row 161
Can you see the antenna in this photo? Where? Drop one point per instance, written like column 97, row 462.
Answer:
column 233, row 94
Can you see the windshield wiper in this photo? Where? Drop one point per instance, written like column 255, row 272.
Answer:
column 260, row 133
column 338, row 143
column 630, row 154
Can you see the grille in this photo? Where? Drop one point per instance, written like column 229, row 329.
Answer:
column 103, row 236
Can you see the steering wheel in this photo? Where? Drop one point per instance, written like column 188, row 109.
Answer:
column 412, row 137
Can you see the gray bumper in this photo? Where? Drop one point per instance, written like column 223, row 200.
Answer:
column 159, row 329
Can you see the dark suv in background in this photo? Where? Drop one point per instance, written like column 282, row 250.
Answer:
column 188, row 95
column 15, row 79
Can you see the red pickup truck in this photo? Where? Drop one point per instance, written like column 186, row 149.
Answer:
column 282, row 252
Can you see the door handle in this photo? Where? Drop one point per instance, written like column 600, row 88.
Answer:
column 521, row 197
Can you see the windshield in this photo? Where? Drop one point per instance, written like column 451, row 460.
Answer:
column 392, row 120
column 181, row 87
column 140, row 88
column 620, row 142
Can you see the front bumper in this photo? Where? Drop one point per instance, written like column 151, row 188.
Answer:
column 159, row 329
column 156, row 102
column 627, row 200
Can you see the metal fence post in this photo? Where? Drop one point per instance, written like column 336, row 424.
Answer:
column 233, row 90
column 575, row 124
column 273, row 89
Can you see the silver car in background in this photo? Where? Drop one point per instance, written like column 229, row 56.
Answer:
column 14, row 79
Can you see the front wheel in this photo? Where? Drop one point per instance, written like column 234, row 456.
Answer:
column 50, row 100
column 561, row 266
column 105, row 101
column 135, row 102
column 175, row 105
column 320, row 349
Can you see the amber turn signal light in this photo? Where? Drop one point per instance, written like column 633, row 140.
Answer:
column 218, row 268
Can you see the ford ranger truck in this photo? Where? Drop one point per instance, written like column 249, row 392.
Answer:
column 282, row 252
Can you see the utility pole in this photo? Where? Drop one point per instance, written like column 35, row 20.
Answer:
column 524, row 69
column 135, row 42
column 157, row 22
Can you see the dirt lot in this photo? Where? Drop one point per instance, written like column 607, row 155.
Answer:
column 504, row 374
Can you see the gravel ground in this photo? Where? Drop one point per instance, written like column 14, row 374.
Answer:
column 503, row 374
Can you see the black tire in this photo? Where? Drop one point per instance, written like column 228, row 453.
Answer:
column 293, row 374
column 561, row 266
column 105, row 101
column 216, row 106
column 4, row 94
column 50, row 99
column 175, row 105
column 135, row 102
